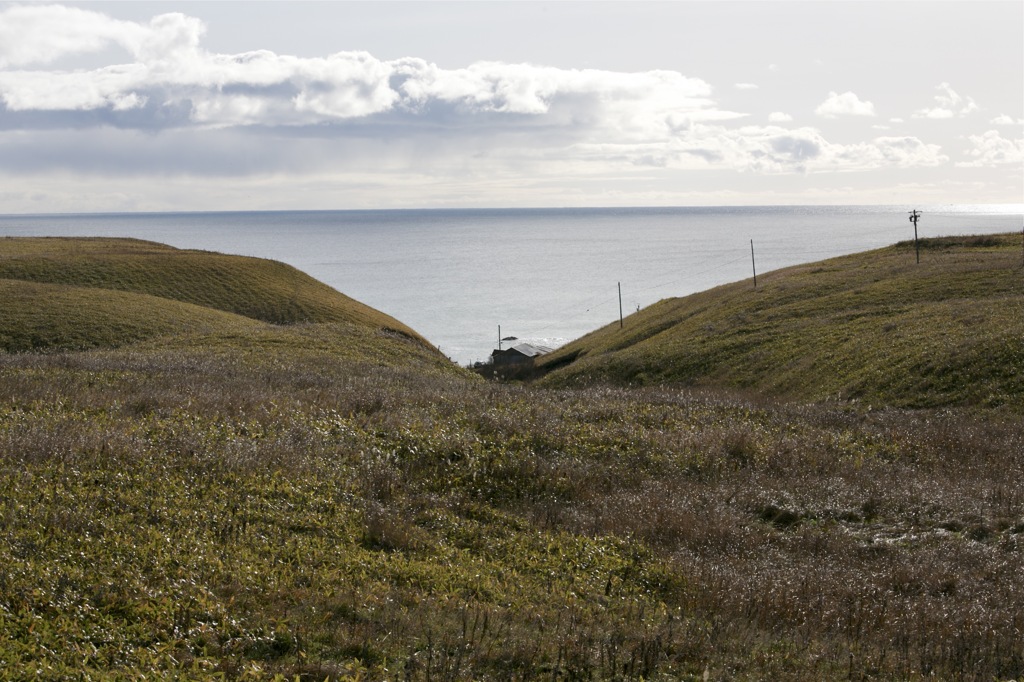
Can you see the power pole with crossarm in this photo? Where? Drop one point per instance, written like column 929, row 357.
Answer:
column 915, row 215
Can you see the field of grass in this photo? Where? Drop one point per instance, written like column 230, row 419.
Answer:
column 328, row 501
column 874, row 327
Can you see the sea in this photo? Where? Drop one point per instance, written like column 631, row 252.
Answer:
column 469, row 279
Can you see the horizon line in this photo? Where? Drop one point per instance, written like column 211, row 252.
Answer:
column 1007, row 208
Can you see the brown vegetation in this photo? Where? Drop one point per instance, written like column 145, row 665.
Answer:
column 336, row 501
column 187, row 510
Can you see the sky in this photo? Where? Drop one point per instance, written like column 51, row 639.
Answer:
column 239, row 105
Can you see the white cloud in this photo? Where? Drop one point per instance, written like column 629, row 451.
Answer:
column 771, row 150
column 349, row 114
column 1005, row 120
column 949, row 104
column 173, row 82
column 882, row 152
column 32, row 34
column 846, row 104
column 992, row 149
column 901, row 152
column 746, row 86
column 494, row 87
column 38, row 35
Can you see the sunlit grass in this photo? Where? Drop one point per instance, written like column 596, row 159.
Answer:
column 875, row 327
column 45, row 316
column 258, row 289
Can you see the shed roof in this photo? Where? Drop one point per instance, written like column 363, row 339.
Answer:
column 530, row 350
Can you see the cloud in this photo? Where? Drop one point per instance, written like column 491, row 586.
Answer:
column 1005, row 120
column 901, row 152
column 772, row 150
column 846, row 104
column 172, row 109
column 949, row 104
column 170, row 72
column 745, row 86
column 806, row 150
column 34, row 34
column 992, row 149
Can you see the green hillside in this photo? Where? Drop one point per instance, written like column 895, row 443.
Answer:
column 45, row 316
column 260, row 289
column 77, row 293
column 875, row 327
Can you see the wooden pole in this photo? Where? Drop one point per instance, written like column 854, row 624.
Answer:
column 753, row 264
column 499, row 337
column 914, row 215
column 620, row 305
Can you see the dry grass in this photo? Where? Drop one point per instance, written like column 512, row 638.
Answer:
column 336, row 501
column 195, row 511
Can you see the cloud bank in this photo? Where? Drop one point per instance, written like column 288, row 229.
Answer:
column 171, row 81
column 163, row 105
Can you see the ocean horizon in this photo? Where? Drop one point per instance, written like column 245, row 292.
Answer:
column 544, row 275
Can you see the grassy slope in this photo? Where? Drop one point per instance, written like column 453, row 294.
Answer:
column 45, row 316
column 261, row 289
column 873, row 326
column 82, row 293
column 332, row 501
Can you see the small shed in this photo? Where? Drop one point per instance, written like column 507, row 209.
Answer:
column 520, row 355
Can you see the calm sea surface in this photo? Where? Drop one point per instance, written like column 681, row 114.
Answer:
column 543, row 275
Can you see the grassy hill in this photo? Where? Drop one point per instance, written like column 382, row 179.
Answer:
column 333, row 500
column 875, row 327
column 94, row 292
column 261, row 289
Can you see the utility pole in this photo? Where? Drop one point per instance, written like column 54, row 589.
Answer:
column 499, row 337
column 620, row 305
column 915, row 215
column 753, row 265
